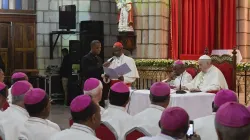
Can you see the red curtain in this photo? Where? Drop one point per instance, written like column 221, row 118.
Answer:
column 228, row 24
column 197, row 24
column 198, row 20
column 173, row 37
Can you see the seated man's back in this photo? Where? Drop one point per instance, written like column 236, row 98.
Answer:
column 149, row 118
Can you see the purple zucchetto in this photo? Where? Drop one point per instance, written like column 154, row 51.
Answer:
column 120, row 87
column 2, row 86
column 233, row 114
column 174, row 118
column 91, row 84
column 223, row 96
column 20, row 88
column 18, row 75
column 34, row 96
column 80, row 103
column 178, row 62
column 160, row 89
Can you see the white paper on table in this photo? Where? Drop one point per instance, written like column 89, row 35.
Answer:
column 123, row 69
column 111, row 73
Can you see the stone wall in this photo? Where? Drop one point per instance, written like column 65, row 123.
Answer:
column 47, row 21
column 151, row 27
column 243, row 28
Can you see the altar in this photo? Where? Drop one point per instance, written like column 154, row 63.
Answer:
column 196, row 104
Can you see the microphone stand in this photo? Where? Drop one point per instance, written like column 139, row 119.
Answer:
column 180, row 91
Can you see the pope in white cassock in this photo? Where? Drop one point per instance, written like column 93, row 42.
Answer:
column 116, row 61
column 209, row 79
column 149, row 118
column 179, row 75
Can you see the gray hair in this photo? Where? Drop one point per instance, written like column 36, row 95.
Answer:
column 17, row 99
column 94, row 92
column 229, row 133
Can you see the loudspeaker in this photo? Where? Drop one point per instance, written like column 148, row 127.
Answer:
column 67, row 17
column 75, row 51
column 89, row 31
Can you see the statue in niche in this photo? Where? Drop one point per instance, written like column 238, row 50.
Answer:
column 125, row 17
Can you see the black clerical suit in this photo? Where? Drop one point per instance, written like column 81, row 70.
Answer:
column 91, row 67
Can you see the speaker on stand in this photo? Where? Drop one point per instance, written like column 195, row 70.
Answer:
column 89, row 31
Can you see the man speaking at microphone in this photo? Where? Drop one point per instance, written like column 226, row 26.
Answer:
column 117, row 60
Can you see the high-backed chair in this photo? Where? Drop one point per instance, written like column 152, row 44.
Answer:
column 136, row 133
column 227, row 64
column 106, row 132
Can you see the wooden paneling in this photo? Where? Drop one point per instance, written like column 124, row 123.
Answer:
column 5, row 43
column 24, row 46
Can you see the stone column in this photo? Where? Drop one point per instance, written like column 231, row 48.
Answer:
column 243, row 28
column 151, row 27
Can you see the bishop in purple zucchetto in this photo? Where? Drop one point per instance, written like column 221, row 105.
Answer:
column 80, row 103
column 160, row 89
column 174, row 118
column 223, row 96
column 20, row 88
column 120, row 87
column 34, row 96
column 18, row 75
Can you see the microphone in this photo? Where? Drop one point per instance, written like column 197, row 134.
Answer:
column 111, row 59
column 181, row 91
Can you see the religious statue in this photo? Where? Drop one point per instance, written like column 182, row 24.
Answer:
column 125, row 18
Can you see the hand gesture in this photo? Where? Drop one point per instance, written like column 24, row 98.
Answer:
column 121, row 78
column 106, row 64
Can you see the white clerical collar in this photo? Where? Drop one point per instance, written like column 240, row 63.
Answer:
column 19, row 109
column 157, row 107
column 117, row 107
column 38, row 120
column 83, row 128
column 166, row 137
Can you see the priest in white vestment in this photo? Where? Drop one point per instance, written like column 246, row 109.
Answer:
column 116, row 61
column 174, row 124
column 16, row 114
column 116, row 114
column 86, row 116
column 149, row 118
column 93, row 87
column 204, row 126
column 37, row 127
column 18, row 76
column 209, row 79
column 179, row 75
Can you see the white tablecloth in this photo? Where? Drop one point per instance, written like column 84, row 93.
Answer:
column 196, row 104
column 229, row 52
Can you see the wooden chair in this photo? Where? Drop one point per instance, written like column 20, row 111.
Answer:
column 227, row 64
column 106, row 132
column 136, row 133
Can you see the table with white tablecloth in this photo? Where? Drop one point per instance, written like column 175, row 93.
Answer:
column 196, row 104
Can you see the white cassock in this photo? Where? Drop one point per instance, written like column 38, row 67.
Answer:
column 212, row 80
column 119, row 119
column 118, row 61
column 184, row 79
column 9, row 98
column 37, row 129
column 76, row 132
column 205, row 127
column 13, row 118
column 158, row 137
column 149, row 119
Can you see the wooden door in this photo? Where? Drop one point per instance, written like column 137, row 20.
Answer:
column 24, row 50
column 5, row 44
